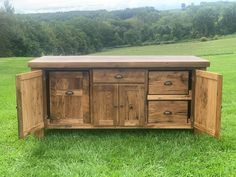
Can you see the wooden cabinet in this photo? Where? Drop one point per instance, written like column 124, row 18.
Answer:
column 90, row 92
column 131, row 105
column 120, row 103
column 105, row 104
column 69, row 97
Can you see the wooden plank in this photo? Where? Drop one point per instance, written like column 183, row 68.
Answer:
column 118, row 76
column 169, row 97
column 66, row 121
column 105, row 104
column 30, row 109
column 208, row 96
column 168, row 82
column 118, row 62
column 29, row 75
column 69, row 95
column 89, row 126
column 131, row 105
column 167, row 112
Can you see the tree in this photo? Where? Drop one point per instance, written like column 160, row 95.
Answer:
column 204, row 22
column 132, row 37
column 183, row 6
column 7, row 7
column 228, row 21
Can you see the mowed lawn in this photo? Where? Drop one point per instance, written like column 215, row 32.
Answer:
column 126, row 153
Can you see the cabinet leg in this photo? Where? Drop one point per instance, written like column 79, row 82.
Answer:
column 39, row 133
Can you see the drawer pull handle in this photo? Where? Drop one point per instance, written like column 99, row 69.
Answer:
column 167, row 113
column 168, row 83
column 118, row 76
column 69, row 93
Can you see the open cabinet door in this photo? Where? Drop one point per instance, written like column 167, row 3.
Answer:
column 29, row 95
column 208, row 95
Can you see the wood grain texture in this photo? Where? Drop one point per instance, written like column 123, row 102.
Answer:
column 118, row 62
column 118, row 76
column 29, row 93
column 69, row 106
column 131, row 105
column 208, row 95
column 105, row 104
column 89, row 126
column 167, row 112
column 168, row 82
column 170, row 97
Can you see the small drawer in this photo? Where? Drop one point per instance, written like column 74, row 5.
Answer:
column 118, row 76
column 168, row 82
column 168, row 112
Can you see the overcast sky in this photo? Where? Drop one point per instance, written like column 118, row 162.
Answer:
column 33, row 6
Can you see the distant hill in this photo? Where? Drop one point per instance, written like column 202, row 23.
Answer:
column 83, row 32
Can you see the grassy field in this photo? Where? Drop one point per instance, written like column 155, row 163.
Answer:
column 209, row 48
column 127, row 152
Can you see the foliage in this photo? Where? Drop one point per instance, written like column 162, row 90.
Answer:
column 203, row 39
column 83, row 32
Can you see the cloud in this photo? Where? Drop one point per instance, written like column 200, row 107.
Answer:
column 30, row 6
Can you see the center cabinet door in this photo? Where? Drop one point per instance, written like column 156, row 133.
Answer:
column 69, row 97
column 118, row 105
column 105, row 104
column 131, row 105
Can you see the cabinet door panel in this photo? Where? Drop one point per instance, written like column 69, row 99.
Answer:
column 30, row 109
column 69, row 96
column 131, row 105
column 207, row 111
column 105, row 104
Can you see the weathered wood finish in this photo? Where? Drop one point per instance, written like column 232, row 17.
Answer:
column 170, row 97
column 131, row 105
column 68, row 62
column 105, row 104
column 168, row 82
column 29, row 89
column 208, row 93
column 69, row 96
column 168, row 112
column 119, row 92
column 118, row 75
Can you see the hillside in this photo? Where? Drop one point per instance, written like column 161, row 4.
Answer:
column 222, row 46
column 85, row 32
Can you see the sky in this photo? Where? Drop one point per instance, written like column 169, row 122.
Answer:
column 35, row 6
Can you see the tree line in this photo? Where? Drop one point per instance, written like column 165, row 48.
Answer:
column 83, row 32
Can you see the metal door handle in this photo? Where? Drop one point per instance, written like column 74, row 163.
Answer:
column 167, row 113
column 168, row 83
column 118, row 76
column 69, row 93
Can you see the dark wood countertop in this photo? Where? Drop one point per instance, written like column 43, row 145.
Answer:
column 89, row 61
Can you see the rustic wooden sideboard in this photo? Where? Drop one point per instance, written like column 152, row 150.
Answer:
column 124, row 92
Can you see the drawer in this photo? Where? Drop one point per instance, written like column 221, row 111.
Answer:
column 119, row 75
column 168, row 82
column 168, row 112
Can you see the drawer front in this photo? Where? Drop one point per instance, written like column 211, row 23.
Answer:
column 168, row 82
column 119, row 76
column 168, row 112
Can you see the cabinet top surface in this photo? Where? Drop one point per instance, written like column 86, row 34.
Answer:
column 118, row 62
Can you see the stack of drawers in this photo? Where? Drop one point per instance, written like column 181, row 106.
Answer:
column 169, row 98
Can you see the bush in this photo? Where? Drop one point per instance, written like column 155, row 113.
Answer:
column 215, row 37
column 203, row 39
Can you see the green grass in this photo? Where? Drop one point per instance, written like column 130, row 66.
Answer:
column 123, row 152
column 215, row 47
